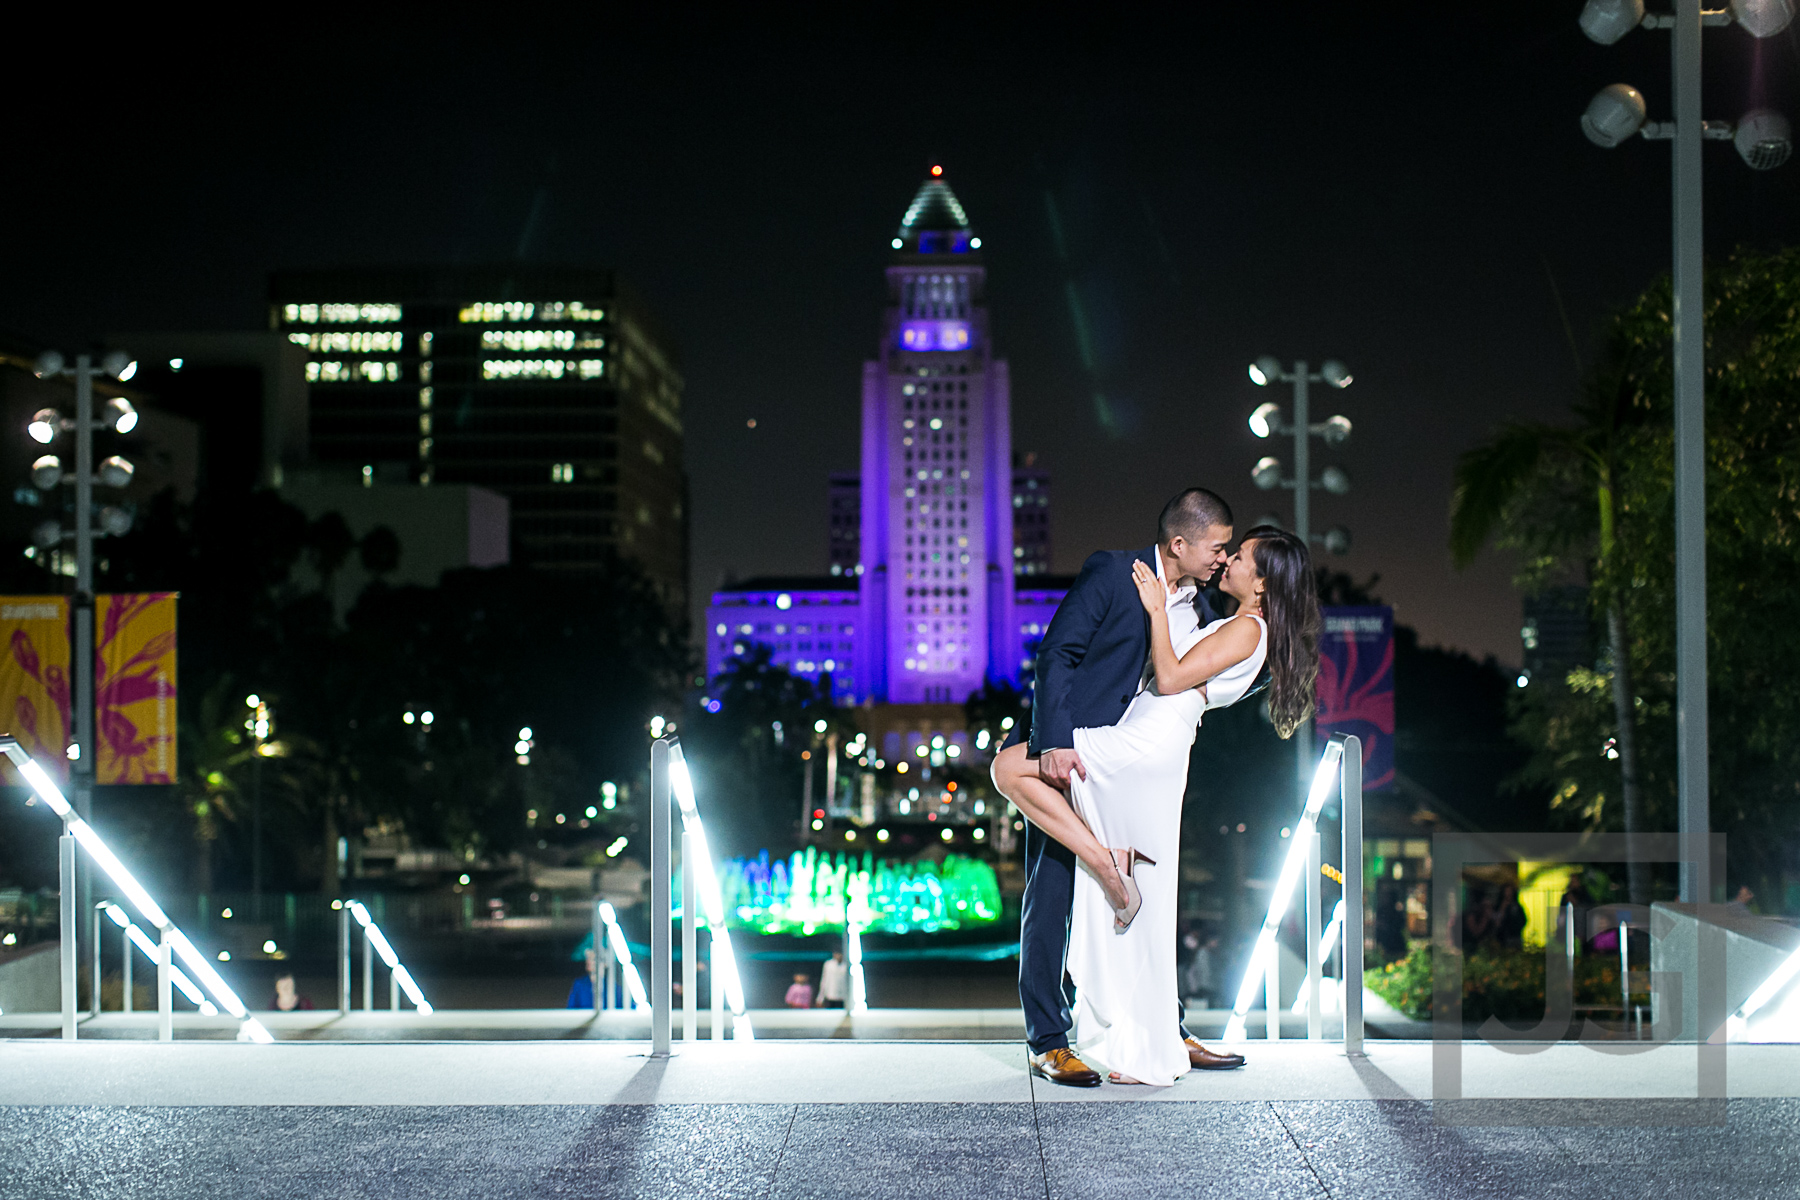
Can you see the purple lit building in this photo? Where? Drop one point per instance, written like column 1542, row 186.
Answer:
column 921, row 607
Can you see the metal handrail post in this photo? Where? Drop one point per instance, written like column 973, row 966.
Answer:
column 600, row 974
column 1272, row 995
column 368, row 972
column 662, row 976
column 715, row 986
column 343, row 957
column 1350, row 810
column 394, row 990
column 1315, row 1024
column 125, row 969
column 94, row 989
column 690, row 903
column 165, row 999
column 65, row 871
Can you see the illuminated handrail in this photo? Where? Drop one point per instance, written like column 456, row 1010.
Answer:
column 1327, row 943
column 142, row 941
column 712, row 901
column 1341, row 763
column 127, row 883
column 401, row 975
column 615, row 936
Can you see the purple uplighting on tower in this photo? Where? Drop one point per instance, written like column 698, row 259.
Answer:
column 928, row 613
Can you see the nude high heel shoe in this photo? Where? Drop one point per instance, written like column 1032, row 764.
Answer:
column 1123, row 862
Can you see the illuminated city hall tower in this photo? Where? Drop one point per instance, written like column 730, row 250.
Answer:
column 936, row 540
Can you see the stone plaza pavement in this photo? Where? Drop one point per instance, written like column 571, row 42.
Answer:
column 870, row 1119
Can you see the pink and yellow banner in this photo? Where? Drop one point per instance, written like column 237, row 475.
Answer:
column 134, row 689
column 34, row 678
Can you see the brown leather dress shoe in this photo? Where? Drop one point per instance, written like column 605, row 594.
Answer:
column 1061, row 1066
column 1202, row 1059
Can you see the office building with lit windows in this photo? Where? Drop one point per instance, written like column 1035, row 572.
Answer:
column 930, row 597
column 550, row 386
column 1031, row 516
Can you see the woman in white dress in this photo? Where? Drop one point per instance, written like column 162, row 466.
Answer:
column 1123, row 821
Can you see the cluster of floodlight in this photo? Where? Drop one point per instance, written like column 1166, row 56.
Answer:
column 1762, row 137
column 1268, row 421
column 47, row 472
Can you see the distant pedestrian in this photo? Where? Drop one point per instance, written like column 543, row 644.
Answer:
column 834, row 981
column 800, row 993
column 288, row 997
column 1200, row 981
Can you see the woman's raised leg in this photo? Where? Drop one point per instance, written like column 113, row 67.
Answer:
column 1015, row 774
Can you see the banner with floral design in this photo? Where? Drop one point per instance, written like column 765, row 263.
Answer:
column 134, row 689
column 34, row 679
column 1356, row 685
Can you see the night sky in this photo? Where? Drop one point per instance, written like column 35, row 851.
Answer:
column 1396, row 188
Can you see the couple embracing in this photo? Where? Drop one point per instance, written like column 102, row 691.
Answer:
column 1133, row 659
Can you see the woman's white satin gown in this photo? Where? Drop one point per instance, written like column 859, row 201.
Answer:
column 1127, row 1006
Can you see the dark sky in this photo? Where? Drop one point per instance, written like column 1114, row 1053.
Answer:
column 1395, row 187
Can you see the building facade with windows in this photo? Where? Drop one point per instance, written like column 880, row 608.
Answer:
column 550, row 386
column 923, row 604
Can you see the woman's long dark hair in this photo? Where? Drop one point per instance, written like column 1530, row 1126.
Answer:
column 1291, row 608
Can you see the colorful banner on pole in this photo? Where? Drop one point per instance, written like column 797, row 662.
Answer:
column 1356, row 685
column 134, row 693
column 34, row 678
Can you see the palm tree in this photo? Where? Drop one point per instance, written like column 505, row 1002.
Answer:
column 1527, row 487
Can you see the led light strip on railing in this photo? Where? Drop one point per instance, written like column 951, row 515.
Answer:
column 402, row 976
column 1737, row 1026
column 142, row 941
column 1264, row 950
column 706, row 877
column 634, row 983
column 133, row 891
column 1327, row 943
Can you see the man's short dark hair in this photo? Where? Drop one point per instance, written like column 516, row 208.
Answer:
column 1191, row 514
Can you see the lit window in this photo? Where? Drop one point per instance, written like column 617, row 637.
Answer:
column 562, row 473
column 528, row 339
column 524, row 368
column 487, row 313
column 592, row 368
column 341, row 314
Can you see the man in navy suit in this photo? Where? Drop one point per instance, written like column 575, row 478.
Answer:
column 1089, row 666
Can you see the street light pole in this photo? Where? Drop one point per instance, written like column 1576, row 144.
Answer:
column 82, row 681
column 1266, row 421
column 1763, row 139
column 1690, row 465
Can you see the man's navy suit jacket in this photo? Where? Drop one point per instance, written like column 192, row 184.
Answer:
column 1092, row 658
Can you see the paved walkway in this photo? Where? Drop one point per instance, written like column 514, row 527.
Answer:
column 863, row 1119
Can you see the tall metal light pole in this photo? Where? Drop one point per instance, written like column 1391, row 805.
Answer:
column 47, row 473
column 1267, row 421
column 1763, row 140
